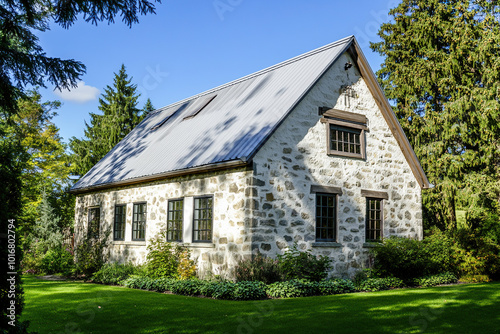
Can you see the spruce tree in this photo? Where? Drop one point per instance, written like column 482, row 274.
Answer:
column 120, row 115
column 442, row 74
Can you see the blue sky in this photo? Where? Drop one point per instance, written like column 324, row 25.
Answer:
column 191, row 46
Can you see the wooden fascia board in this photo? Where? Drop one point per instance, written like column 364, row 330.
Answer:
column 390, row 118
column 162, row 176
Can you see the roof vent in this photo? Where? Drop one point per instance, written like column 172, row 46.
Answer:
column 204, row 104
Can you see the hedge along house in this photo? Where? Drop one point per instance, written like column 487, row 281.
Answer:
column 307, row 151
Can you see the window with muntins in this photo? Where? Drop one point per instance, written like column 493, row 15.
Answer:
column 139, row 222
column 345, row 140
column 119, row 223
column 326, row 217
column 203, row 219
column 94, row 222
column 374, row 219
column 174, row 220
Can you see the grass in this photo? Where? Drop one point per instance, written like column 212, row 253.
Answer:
column 76, row 307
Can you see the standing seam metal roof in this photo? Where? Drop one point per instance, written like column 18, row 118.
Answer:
column 233, row 126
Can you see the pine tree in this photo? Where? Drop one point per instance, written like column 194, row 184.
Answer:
column 442, row 74
column 119, row 116
column 47, row 229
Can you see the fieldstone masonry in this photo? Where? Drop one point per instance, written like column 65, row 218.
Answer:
column 269, row 206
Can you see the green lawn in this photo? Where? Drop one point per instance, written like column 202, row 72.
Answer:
column 75, row 307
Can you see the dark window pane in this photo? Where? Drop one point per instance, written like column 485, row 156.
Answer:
column 326, row 220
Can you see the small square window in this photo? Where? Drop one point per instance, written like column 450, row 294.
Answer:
column 119, row 223
column 139, row 222
column 174, row 220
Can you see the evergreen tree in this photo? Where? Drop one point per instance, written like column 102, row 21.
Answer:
column 119, row 116
column 442, row 74
column 47, row 230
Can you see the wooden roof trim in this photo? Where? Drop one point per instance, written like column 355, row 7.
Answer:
column 390, row 118
column 346, row 115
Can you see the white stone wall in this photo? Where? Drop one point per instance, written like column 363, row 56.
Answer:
column 295, row 158
column 269, row 208
column 229, row 241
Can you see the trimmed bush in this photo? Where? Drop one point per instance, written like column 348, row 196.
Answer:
column 336, row 286
column 58, row 261
column 249, row 291
column 260, row 268
column 378, row 284
column 444, row 278
column 295, row 264
column 114, row 273
column 293, row 288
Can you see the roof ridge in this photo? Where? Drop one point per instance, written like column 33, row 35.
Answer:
column 260, row 72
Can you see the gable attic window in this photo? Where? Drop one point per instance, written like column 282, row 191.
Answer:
column 345, row 133
column 201, row 107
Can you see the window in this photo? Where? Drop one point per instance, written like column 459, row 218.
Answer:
column 119, row 225
column 199, row 106
column 94, row 222
column 139, row 222
column 374, row 214
column 374, row 219
column 326, row 217
column 345, row 133
column 203, row 219
column 174, row 220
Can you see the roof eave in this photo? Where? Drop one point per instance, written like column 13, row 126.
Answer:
column 161, row 176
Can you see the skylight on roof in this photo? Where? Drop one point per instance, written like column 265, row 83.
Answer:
column 203, row 105
column 165, row 120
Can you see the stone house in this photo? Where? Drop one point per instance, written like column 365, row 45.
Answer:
column 307, row 151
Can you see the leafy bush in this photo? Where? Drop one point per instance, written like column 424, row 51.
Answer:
column 249, row 290
column 336, row 286
column 90, row 253
column 32, row 260
column 475, row 279
column 260, row 268
column 293, row 288
column 378, row 284
column 444, row 278
column 295, row 264
column 58, row 261
column 409, row 258
column 115, row 273
column 188, row 287
column 167, row 260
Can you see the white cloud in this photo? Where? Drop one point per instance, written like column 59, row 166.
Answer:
column 81, row 94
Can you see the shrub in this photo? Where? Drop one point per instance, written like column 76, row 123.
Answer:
column 295, row 264
column 378, row 284
column 90, row 253
column 475, row 278
column 115, row 273
column 259, row 268
column 167, row 260
column 188, row 287
column 293, row 288
column 224, row 290
column 32, row 260
column 336, row 286
column 249, row 290
column 58, row 261
column 432, row 280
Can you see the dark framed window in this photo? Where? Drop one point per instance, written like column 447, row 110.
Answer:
column 139, row 222
column 345, row 133
column 374, row 219
column 345, row 140
column 326, row 217
column 174, row 220
column 94, row 222
column 119, row 223
column 203, row 219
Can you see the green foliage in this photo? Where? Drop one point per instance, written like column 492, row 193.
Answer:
column 475, row 278
column 119, row 116
column 186, row 268
column 409, row 258
column 58, row 261
column 259, row 268
column 46, row 231
column 442, row 74
column 91, row 253
column 432, row 280
column 249, row 291
column 295, row 264
column 168, row 260
column 336, row 286
column 293, row 288
column 115, row 273
column 378, row 284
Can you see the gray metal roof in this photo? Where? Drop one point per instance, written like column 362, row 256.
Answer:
column 231, row 127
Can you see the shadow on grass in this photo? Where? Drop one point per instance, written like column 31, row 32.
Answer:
column 73, row 307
